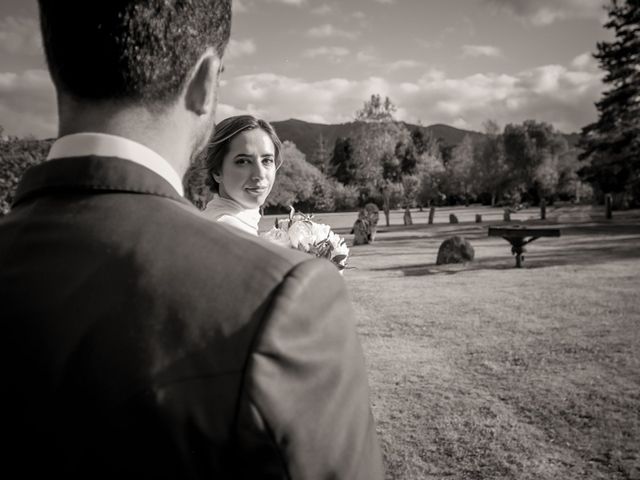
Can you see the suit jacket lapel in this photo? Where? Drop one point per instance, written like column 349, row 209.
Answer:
column 93, row 174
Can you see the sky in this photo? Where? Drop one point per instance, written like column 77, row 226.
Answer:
column 457, row 62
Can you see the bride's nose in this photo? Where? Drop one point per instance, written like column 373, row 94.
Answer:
column 258, row 172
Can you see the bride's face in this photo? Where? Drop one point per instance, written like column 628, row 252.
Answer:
column 248, row 169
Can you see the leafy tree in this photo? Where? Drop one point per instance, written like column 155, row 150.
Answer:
column 612, row 144
column 374, row 144
column 391, row 167
column 410, row 189
column 527, row 147
column 407, row 153
column 490, row 171
column 432, row 172
column 376, row 110
column 547, row 176
column 459, row 170
column 321, row 155
column 194, row 182
column 296, row 180
column 16, row 156
column 343, row 166
column 345, row 197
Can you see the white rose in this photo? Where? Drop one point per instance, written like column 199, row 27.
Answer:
column 341, row 250
column 320, row 232
column 301, row 235
column 277, row 235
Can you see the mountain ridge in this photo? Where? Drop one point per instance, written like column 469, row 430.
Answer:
column 305, row 134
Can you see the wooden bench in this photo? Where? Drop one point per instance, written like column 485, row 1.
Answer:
column 519, row 236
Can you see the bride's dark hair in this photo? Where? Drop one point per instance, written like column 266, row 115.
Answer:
column 225, row 132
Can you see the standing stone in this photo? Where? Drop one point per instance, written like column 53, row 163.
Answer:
column 371, row 213
column 407, row 217
column 543, row 209
column 453, row 218
column 507, row 215
column 432, row 212
column 478, row 218
column 608, row 202
column 361, row 232
column 455, row 250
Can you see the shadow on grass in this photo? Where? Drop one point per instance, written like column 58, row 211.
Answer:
column 579, row 251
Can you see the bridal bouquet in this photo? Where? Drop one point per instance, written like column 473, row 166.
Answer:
column 302, row 233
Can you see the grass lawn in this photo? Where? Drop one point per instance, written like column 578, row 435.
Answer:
column 484, row 371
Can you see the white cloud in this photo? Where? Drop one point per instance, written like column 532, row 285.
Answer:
column 240, row 48
column 365, row 57
column 481, row 51
column 20, row 36
column 327, row 30
column 563, row 96
column 585, row 61
column 386, row 2
column 28, row 104
column 279, row 97
column 297, row 3
column 323, row 9
column 359, row 15
column 331, row 52
column 402, row 64
column 429, row 43
column 238, row 6
column 545, row 12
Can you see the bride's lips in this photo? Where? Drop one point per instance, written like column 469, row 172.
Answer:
column 256, row 190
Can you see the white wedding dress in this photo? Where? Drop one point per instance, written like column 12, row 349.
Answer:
column 232, row 213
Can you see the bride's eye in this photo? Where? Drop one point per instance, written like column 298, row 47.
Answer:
column 268, row 161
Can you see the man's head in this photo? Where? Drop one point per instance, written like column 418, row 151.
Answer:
column 130, row 50
column 144, row 53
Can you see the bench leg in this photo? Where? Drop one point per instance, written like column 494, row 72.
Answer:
column 517, row 249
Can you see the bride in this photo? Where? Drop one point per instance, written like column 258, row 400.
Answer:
column 242, row 159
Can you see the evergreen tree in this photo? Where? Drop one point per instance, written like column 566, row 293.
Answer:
column 343, row 166
column 321, row 155
column 612, row 144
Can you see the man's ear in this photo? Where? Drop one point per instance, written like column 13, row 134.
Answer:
column 202, row 88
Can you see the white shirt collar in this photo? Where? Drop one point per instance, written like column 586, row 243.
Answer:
column 105, row 145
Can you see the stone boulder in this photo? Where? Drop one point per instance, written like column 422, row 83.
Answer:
column 361, row 232
column 365, row 227
column 453, row 218
column 455, row 250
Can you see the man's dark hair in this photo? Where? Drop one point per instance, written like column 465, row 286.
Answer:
column 137, row 51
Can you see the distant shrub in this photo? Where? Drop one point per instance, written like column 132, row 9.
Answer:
column 16, row 156
column 345, row 197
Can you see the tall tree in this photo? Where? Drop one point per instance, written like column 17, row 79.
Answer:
column 460, row 169
column 321, row 155
column 377, row 110
column 490, row 171
column 530, row 150
column 296, row 180
column 612, row 144
column 343, row 165
column 432, row 174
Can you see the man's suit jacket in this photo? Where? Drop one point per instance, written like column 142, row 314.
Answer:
column 140, row 339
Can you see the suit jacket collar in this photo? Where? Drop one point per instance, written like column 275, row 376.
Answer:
column 93, row 174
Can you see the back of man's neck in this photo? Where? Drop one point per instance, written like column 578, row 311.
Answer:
column 155, row 131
